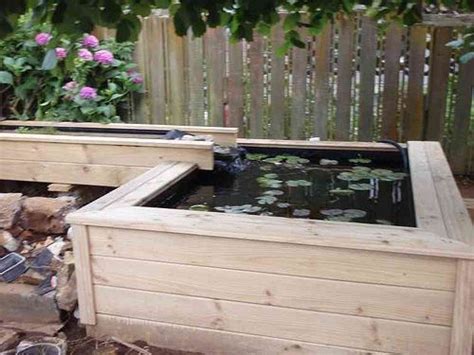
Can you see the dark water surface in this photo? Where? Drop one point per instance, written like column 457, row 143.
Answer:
column 302, row 188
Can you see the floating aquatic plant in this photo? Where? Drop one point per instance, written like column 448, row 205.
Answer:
column 383, row 221
column 283, row 205
column 296, row 183
column 199, row 208
column 348, row 214
column 256, row 156
column 266, row 199
column 341, row 192
column 360, row 187
column 301, row 212
column 286, row 158
column 274, row 192
column 360, row 160
column 247, row 208
column 269, row 182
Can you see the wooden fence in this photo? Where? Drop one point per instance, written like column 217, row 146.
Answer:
column 357, row 80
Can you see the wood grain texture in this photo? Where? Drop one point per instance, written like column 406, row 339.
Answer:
column 256, row 62
column 414, row 112
column 278, row 258
column 298, row 90
column 85, row 292
column 317, row 327
column 361, row 299
column 461, row 338
column 344, row 78
column 438, row 83
column 195, row 61
column 278, row 105
column 391, row 89
column 368, row 63
column 215, row 57
column 235, row 87
column 391, row 239
column 208, row 341
column 427, row 205
column 321, row 83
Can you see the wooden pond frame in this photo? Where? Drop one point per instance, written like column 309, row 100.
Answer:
column 234, row 284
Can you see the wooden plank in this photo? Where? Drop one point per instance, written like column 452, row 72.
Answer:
column 68, row 173
column 414, row 113
column 321, row 82
column 220, row 135
column 195, row 59
column 176, row 73
column 59, row 187
column 448, row 20
column 278, row 85
column 278, row 258
column 461, row 338
column 438, row 83
column 85, row 292
column 207, row 341
column 139, row 100
column 455, row 215
column 125, row 189
column 156, row 185
column 109, row 155
column 298, row 91
column 320, row 145
column 427, row 206
column 344, row 78
column 317, row 327
column 155, row 75
column 368, row 62
column 459, row 149
column 256, row 87
column 361, row 299
column 235, row 87
column 215, row 57
column 391, row 89
column 403, row 240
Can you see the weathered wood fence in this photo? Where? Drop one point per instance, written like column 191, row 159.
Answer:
column 357, row 80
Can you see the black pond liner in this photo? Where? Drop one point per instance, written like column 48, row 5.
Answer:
column 218, row 188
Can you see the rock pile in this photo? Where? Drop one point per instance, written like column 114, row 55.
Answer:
column 35, row 228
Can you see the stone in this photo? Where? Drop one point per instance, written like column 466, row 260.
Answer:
column 46, row 215
column 8, row 242
column 31, row 277
column 66, row 289
column 8, row 339
column 10, row 207
column 107, row 349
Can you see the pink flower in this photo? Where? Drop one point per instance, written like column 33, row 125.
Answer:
column 61, row 53
column 85, row 54
column 70, row 86
column 88, row 93
column 136, row 78
column 104, row 57
column 90, row 41
column 43, row 38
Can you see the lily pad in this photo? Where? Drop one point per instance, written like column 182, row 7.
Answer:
column 331, row 212
column 383, row 221
column 274, row 192
column 270, row 176
column 247, row 208
column 199, row 208
column 283, row 205
column 266, row 200
column 296, row 183
column 353, row 213
column 361, row 187
column 341, row 218
column 348, row 176
column 256, row 156
column 360, row 160
column 301, row 212
column 341, row 192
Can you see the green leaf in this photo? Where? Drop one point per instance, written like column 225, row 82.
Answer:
column 291, row 21
column 466, row 57
column 6, row 78
column 50, row 61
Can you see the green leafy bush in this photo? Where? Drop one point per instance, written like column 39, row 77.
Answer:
column 51, row 77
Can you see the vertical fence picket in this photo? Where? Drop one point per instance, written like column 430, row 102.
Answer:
column 176, row 63
column 156, row 69
column 195, row 60
column 215, row 57
column 344, row 79
column 438, row 83
column 139, row 101
column 256, row 87
column 368, row 63
column 277, row 93
column 321, row 83
column 298, row 91
column 391, row 85
column 459, row 147
column 413, row 117
column 235, row 87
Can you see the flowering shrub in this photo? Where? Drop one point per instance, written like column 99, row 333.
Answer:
column 45, row 76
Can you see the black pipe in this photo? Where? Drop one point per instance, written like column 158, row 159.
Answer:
column 402, row 151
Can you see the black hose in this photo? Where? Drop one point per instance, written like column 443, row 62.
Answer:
column 400, row 149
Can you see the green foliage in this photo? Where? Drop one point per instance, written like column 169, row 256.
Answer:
column 33, row 77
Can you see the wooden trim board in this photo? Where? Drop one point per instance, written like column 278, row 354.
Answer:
column 221, row 135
